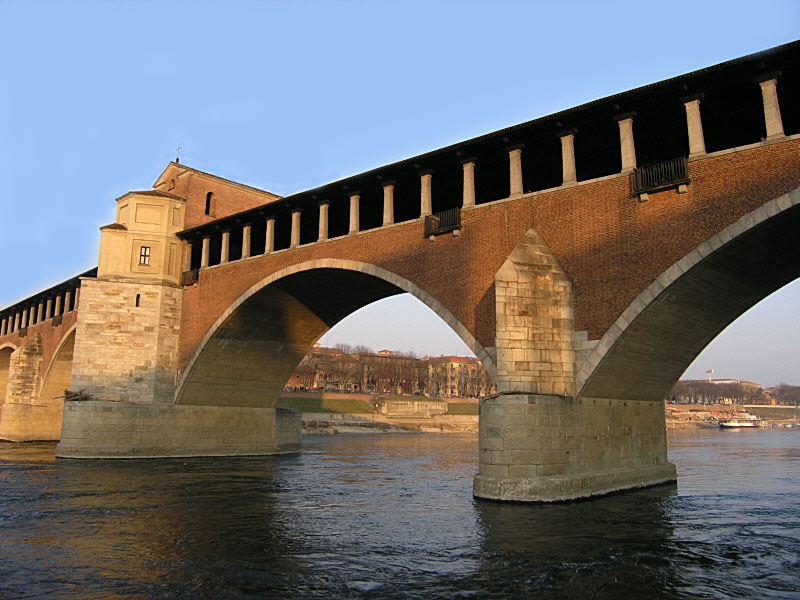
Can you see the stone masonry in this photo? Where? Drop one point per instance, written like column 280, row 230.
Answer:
column 554, row 448
column 25, row 415
column 534, row 339
column 25, row 372
column 124, row 351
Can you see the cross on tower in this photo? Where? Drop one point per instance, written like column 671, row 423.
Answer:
column 178, row 157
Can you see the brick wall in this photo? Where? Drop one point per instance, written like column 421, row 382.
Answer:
column 228, row 197
column 610, row 245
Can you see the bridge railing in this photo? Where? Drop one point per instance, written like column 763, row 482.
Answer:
column 442, row 222
column 661, row 176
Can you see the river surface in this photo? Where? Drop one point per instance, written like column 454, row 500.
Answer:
column 392, row 516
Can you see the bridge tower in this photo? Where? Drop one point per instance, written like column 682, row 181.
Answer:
column 125, row 357
column 127, row 335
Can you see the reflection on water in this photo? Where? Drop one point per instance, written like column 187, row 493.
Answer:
column 392, row 516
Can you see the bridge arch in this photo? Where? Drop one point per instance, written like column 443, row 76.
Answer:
column 59, row 372
column 664, row 329
column 251, row 350
column 6, row 350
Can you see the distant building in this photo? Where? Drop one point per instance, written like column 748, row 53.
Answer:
column 459, row 376
column 390, row 373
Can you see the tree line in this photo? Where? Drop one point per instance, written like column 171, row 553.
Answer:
column 706, row 392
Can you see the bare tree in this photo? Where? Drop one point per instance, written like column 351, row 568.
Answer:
column 344, row 348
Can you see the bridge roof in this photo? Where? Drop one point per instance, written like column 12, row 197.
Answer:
column 750, row 66
column 59, row 288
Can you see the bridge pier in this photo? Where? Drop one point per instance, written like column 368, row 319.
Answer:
column 547, row 448
column 101, row 429
column 30, row 403
column 539, row 440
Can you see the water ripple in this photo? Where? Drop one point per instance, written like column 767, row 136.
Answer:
column 392, row 516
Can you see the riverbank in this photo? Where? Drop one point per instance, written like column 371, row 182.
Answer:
column 333, row 413
column 700, row 416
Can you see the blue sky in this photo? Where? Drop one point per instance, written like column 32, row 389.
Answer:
column 95, row 97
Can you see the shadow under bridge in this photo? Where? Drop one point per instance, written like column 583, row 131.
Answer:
column 250, row 355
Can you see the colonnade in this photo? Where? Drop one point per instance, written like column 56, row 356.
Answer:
column 36, row 313
column 774, row 129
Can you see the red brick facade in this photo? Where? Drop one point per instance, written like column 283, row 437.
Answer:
column 227, row 197
column 611, row 246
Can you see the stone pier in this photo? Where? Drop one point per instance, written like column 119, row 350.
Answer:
column 547, row 448
column 99, row 429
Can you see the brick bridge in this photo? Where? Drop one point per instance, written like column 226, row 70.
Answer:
column 586, row 258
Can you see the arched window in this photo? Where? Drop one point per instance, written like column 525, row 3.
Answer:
column 209, row 195
column 172, row 184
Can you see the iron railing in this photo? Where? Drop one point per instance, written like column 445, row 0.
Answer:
column 442, row 222
column 670, row 173
column 190, row 277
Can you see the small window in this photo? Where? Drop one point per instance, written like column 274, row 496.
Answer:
column 209, row 195
column 138, row 299
column 172, row 184
column 144, row 255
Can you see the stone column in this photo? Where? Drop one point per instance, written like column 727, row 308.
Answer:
column 77, row 296
column 225, row 252
column 694, row 124
column 627, row 147
column 468, row 194
column 324, row 205
column 40, row 316
column 568, row 156
column 3, row 325
column 426, row 201
column 48, row 310
column 295, row 239
column 269, row 243
column 246, row 233
column 17, row 321
column 206, row 252
column 355, row 223
column 187, row 256
column 388, row 203
column 24, row 318
column 772, row 110
column 58, row 306
column 67, row 300
column 515, row 171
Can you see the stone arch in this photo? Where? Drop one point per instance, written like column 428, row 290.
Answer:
column 251, row 350
column 662, row 331
column 6, row 350
column 59, row 372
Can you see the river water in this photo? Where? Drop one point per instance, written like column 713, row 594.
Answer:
column 392, row 515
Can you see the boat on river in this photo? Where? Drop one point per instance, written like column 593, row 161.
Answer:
column 741, row 420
